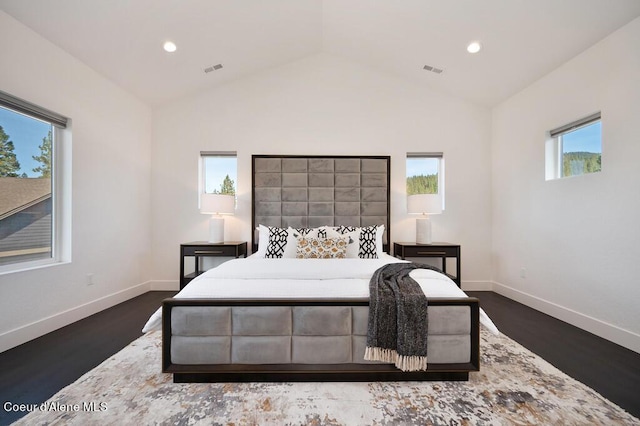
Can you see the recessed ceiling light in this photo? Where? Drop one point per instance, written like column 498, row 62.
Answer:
column 474, row 47
column 169, row 46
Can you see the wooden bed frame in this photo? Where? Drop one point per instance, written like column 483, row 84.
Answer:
column 278, row 180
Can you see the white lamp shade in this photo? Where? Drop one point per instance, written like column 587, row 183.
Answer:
column 424, row 204
column 217, row 204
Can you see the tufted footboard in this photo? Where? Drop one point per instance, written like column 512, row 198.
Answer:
column 305, row 340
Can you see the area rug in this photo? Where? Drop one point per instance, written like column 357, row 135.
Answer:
column 514, row 387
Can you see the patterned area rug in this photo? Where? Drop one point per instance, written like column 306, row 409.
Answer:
column 514, row 387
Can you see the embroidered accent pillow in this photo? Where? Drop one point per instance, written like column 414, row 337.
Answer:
column 353, row 248
column 321, row 248
column 292, row 242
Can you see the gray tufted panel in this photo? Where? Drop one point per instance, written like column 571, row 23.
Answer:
column 301, row 334
column 312, row 191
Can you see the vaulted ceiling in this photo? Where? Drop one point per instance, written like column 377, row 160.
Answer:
column 522, row 40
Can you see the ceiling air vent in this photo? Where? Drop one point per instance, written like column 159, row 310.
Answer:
column 432, row 69
column 213, row 68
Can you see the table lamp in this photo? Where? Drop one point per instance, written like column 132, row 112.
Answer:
column 217, row 205
column 424, row 204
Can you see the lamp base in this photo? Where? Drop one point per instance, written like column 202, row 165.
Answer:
column 216, row 229
column 423, row 231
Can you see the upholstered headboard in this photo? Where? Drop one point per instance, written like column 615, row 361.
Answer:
column 312, row 191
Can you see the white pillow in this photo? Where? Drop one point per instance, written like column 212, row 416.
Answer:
column 290, row 251
column 263, row 240
column 379, row 245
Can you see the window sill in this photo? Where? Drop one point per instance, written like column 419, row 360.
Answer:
column 30, row 266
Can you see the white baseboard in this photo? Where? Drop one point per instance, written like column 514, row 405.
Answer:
column 164, row 285
column 600, row 328
column 20, row 335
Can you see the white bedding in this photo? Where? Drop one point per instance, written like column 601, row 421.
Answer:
column 259, row 278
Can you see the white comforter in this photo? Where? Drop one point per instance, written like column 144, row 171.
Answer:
column 258, row 278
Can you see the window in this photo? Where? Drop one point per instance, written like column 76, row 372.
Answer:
column 425, row 173
column 30, row 219
column 575, row 149
column 219, row 172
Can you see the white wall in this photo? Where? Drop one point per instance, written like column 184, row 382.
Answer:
column 576, row 237
column 111, row 150
column 321, row 105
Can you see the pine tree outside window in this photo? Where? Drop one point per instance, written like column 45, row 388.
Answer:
column 219, row 172
column 425, row 173
column 574, row 149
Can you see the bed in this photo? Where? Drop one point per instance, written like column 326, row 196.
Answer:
column 277, row 317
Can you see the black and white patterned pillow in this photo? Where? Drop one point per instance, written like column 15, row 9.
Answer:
column 344, row 229
column 322, row 232
column 304, row 231
column 368, row 242
column 312, row 232
column 277, row 242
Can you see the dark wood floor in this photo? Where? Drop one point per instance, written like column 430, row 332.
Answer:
column 33, row 372
column 608, row 368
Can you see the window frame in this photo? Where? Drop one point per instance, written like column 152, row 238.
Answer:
column 554, row 146
column 202, row 169
column 60, row 183
column 441, row 180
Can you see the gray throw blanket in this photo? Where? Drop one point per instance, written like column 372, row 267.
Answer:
column 397, row 330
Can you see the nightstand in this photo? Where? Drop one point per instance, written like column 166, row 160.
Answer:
column 200, row 249
column 441, row 250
